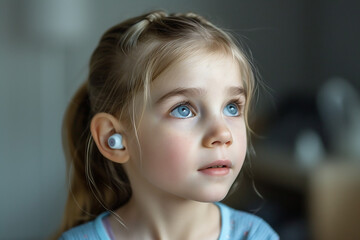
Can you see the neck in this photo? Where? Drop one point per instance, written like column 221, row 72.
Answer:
column 158, row 217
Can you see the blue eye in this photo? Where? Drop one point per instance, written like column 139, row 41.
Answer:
column 231, row 110
column 182, row 111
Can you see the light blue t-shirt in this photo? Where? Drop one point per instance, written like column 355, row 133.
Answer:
column 235, row 225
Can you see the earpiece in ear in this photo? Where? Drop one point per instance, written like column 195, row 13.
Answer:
column 115, row 141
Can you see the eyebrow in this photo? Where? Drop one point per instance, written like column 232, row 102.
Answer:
column 181, row 91
column 198, row 92
column 237, row 91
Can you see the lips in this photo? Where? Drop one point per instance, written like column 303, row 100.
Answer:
column 217, row 164
column 219, row 168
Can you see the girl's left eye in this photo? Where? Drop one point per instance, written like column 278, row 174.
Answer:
column 231, row 110
column 182, row 111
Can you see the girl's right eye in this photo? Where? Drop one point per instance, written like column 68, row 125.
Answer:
column 182, row 111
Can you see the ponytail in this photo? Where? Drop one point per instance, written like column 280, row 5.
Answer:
column 94, row 181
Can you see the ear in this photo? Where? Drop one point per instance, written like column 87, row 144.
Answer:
column 102, row 126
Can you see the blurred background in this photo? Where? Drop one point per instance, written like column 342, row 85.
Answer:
column 307, row 118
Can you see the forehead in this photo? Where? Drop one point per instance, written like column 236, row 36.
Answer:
column 198, row 70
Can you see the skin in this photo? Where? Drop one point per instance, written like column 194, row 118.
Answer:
column 171, row 197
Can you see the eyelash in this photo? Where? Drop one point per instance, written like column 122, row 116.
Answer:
column 184, row 103
column 237, row 101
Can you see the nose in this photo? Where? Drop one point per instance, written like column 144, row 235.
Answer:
column 217, row 134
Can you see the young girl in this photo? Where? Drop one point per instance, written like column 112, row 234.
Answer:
column 158, row 133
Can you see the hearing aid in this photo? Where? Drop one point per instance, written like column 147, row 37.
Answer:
column 115, row 141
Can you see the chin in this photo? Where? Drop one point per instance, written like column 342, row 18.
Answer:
column 212, row 196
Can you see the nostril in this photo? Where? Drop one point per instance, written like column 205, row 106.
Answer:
column 216, row 143
column 221, row 143
column 228, row 143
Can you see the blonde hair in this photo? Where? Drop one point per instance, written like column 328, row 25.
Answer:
column 128, row 57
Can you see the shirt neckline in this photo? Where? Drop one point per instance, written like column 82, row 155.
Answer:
column 224, row 223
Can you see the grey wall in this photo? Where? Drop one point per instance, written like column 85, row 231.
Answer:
column 44, row 51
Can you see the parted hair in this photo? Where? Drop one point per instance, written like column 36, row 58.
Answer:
column 129, row 56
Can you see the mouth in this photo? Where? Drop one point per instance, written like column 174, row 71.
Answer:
column 218, row 164
column 217, row 168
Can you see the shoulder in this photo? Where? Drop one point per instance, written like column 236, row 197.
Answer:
column 87, row 231
column 239, row 225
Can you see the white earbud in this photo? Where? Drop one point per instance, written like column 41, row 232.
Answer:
column 115, row 141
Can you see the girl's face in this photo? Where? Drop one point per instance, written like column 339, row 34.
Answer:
column 192, row 134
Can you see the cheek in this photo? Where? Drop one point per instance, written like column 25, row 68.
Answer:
column 166, row 155
column 243, row 141
column 240, row 142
